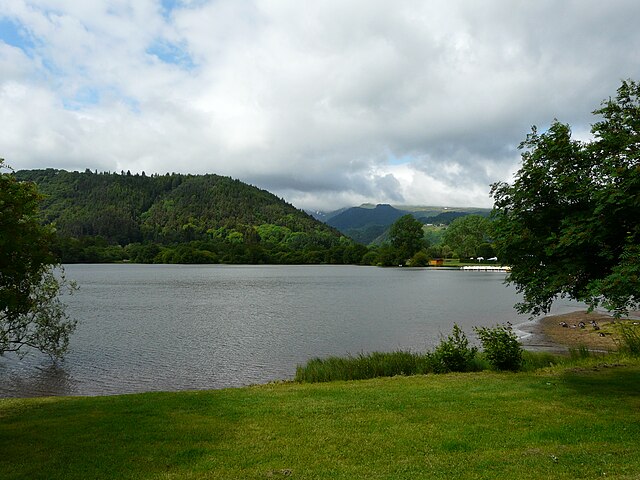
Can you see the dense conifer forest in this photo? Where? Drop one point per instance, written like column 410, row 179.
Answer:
column 175, row 218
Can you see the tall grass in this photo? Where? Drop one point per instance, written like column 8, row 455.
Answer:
column 501, row 351
column 453, row 354
column 441, row 360
column 629, row 342
column 579, row 353
column 535, row 360
column 363, row 366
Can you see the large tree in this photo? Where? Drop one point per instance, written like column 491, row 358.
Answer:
column 465, row 234
column 407, row 237
column 31, row 314
column 569, row 225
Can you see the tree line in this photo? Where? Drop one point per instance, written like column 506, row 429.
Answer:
column 173, row 218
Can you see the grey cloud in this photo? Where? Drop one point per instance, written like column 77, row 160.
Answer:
column 311, row 100
column 388, row 187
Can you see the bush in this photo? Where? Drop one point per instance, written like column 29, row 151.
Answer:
column 501, row 347
column 629, row 340
column 454, row 354
column 420, row 259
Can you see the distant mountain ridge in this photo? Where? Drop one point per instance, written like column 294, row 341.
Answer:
column 358, row 217
column 368, row 222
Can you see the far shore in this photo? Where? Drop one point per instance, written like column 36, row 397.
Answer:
column 548, row 334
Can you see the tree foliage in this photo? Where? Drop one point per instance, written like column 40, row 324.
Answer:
column 465, row 234
column 407, row 237
column 31, row 314
column 569, row 225
column 106, row 217
column 24, row 243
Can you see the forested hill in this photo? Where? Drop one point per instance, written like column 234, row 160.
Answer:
column 219, row 218
column 368, row 224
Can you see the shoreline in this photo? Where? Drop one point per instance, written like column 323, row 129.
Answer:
column 546, row 334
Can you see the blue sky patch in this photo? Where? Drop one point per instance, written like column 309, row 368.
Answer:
column 171, row 53
column 12, row 33
column 393, row 160
column 132, row 104
column 84, row 97
column 169, row 6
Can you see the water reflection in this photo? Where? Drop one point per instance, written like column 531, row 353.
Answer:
column 34, row 378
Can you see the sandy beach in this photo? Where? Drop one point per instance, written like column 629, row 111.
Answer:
column 548, row 334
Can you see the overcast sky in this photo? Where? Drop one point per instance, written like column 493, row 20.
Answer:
column 329, row 103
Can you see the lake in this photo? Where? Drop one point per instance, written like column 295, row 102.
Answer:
column 178, row 327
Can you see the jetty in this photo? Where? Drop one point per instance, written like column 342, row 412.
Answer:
column 486, row 268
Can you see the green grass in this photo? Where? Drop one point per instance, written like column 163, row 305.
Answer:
column 556, row 423
column 364, row 366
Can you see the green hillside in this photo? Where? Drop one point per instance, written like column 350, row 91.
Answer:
column 177, row 218
column 369, row 224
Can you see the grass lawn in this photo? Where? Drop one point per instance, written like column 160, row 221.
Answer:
column 560, row 423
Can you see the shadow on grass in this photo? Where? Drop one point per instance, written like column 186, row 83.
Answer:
column 604, row 380
column 128, row 436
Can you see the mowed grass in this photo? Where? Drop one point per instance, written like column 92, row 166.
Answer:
column 559, row 423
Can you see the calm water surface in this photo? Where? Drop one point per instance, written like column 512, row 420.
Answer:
column 173, row 327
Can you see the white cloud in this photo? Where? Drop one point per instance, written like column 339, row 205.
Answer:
column 308, row 99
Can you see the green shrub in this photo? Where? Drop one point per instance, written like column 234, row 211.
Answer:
column 420, row 259
column 629, row 340
column 501, row 347
column 454, row 354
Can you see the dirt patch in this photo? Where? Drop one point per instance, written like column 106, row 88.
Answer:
column 566, row 330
